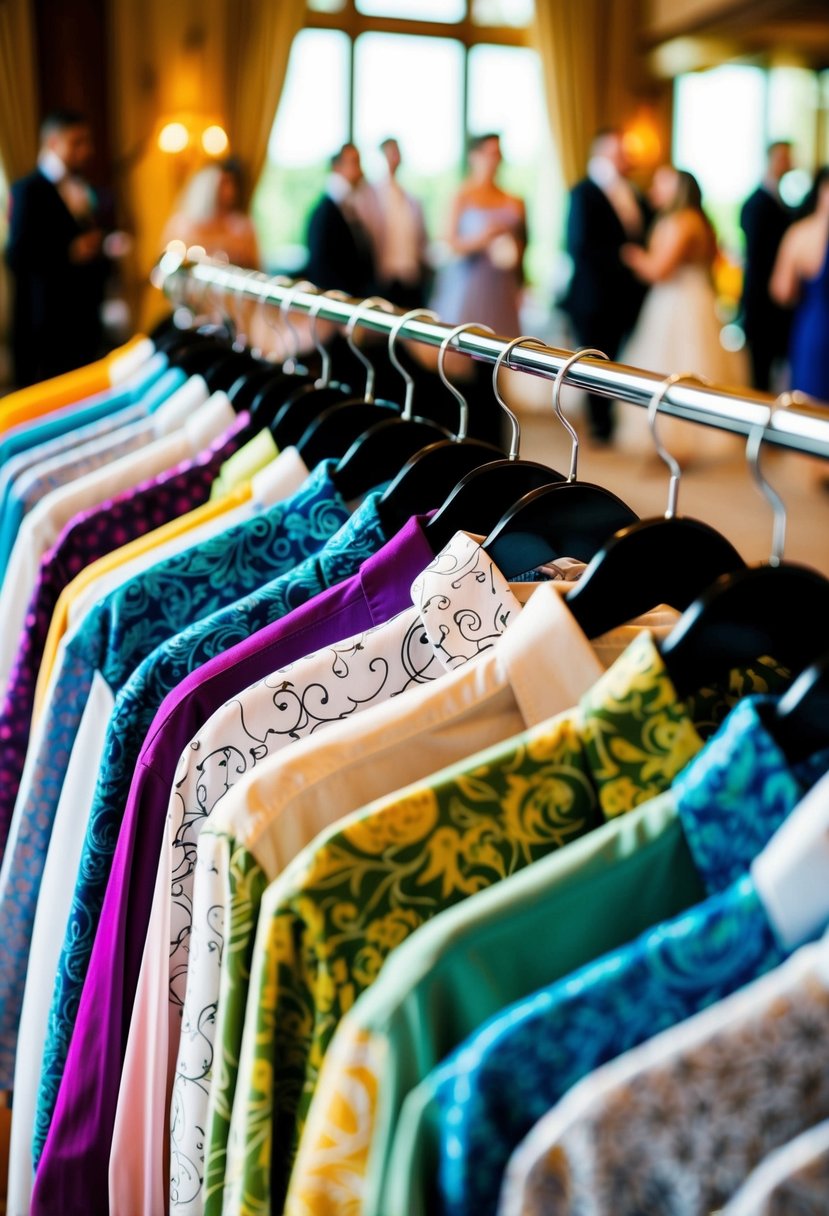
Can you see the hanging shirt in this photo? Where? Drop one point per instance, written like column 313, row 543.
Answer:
column 164, row 412
column 131, row 719
column 277, row 481
column 88, row 1094
column 445, row 982
column 688, row 1114
column 389, row 869
column 245, row 464
column 794, row 1179
column 41, row 527
column 88, row 536
column 35, row 400
column 730, row 802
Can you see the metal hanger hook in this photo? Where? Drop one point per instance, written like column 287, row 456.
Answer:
column 463, row 420
column 277, row 280
column 515, row 441
column 558, row 384
column 241, row 340
column 322, row 350
column 394, row 334
column 292, row 361
column 661, row 451
column 753, row 445
column 369, row 302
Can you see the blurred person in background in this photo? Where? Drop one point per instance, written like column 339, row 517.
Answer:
column 764, row 220
column 55, row 252
column 604, row 297
column 487, row 233
column 340, row 247
column 678, row 328
column 396, row 223
column 801, row 279
column 210, row 214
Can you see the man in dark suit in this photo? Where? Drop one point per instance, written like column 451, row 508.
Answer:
column 339, row 244
column 54, row 253
column 764, row 220
column 604, row 297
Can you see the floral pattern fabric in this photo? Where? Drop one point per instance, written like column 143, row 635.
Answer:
column 327, row 925
column 679, row 1124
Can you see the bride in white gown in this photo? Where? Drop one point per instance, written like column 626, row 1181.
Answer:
column 677, row 329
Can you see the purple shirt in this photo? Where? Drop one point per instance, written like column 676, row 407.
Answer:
column 88, row 536
column 81, row 1132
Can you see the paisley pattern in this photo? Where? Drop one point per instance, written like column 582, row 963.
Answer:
column 89, row 1088
column 678, row 1125
column 344, row 1136
column 187, row 587
column 327, row 925
column 85, row 538
column 463, row 605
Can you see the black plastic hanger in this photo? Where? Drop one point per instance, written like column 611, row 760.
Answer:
column 569, row 519
column 432, row 473
column 481, row 498
column 308, row 401
column 378, row 454
column 667, row 560
column 778, row 610
column 334, row 430
column 799, row 721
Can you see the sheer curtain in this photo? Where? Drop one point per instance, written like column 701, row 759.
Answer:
column 588, row 53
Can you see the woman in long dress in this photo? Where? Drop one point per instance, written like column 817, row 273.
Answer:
column 801, row 278
column 487, row 234
column 678, row 329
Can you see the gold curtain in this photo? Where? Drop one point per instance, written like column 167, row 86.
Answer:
column 18, row 89
column 587, row 52
column 198, row 62
column 259, row 41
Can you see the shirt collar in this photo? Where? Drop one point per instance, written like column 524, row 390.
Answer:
column 603, row 172
column 734, row 796
column 465, row 603
column 51, row 166
column 401, row 559
column 338, row 188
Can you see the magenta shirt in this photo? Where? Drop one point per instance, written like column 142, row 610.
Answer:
column 76, row 1156
column 88, row 536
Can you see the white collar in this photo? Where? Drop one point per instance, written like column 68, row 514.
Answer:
column 51, row 166
column 603, row 172
column 338, row 187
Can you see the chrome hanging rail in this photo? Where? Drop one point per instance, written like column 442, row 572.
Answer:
column 802, row 427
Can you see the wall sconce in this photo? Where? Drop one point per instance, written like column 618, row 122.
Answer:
column 190, row 131
column 642, row 140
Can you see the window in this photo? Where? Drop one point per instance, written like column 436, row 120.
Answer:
column 429, row 72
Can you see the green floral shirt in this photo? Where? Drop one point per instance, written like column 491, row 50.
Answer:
column 328, row 923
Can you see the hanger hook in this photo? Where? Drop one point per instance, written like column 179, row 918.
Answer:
column 753, row 445
column 463, row 422
column 558, row 384
column 369, row 302
column 241, row 340
column 292, row 362
column 515, row 440
column 322, row 350
column 661, row 451
column 394, row 334
column 276, row 280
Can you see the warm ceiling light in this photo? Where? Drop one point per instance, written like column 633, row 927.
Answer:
column 174, row 137
column 214, row 140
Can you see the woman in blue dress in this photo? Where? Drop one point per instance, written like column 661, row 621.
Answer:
column 487, row 234
column 801, row 278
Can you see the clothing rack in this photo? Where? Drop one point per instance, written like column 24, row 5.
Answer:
column 803, row 427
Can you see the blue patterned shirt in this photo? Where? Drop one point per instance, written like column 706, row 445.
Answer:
column 135, row 707
column 494, row 1088
column 113, row 638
